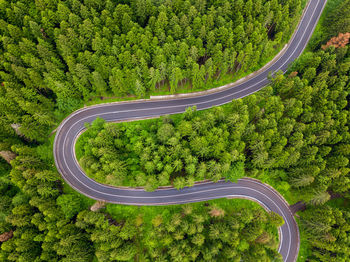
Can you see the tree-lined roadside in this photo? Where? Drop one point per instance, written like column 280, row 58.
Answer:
column 61, row 55
column 293, row 134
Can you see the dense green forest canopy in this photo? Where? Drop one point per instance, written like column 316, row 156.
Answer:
column 338, row 21
column 327, row 230
column 50, row 225
column 295, row 130
column 57, row 54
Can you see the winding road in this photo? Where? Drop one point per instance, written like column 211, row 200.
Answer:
column 73, row 125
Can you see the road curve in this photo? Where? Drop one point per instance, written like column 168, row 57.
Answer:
column 73, row 125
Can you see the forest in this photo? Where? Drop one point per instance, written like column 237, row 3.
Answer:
column 46, row 222
column 57, row 56
column 295, row 131
column 63, row 53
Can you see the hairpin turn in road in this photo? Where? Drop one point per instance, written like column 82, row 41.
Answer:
column 73, row 125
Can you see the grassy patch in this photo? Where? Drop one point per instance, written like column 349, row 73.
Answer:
column 338, row 203
column 305, row 249
column 79, row 145
column 105, row 100
column 125, row 211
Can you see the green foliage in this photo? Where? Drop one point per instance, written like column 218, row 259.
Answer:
column 334, row 20
column 41, row 231
column 57, row 227
column 70, row 205
column 58, row 55
column 180, row 149
column 327, row 229
column 236, row 171
column 299, row 136
column 200, row 234
column 55, row 56
column 338, row 20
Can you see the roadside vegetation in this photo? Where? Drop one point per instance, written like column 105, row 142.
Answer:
column 295, row 131
column 177, row 149
column 57, row 56
column 40, row 220
column 334, row 20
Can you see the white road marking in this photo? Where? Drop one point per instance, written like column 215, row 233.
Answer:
column 186, row 105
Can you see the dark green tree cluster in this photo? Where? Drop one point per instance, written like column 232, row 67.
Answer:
column 57, row 54
column 213, row 235
column 42, row 230
column 193, row 147
column 296, row 130
column 112, row 240
column 338, row 21
column 40, row 222
column 304, row 130
column 328, row 232
column 46, row 224
column 7, row 192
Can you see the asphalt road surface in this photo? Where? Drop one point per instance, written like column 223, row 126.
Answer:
column 73, row 125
